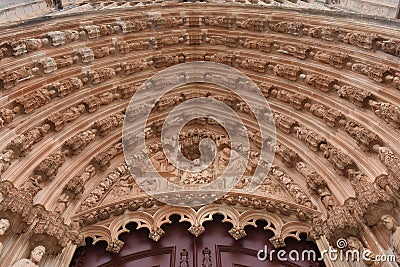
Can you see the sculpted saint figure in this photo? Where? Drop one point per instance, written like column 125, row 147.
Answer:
column 36, row 256
column 390, row 223
column 4, row 225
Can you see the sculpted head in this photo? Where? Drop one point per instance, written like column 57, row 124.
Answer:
column 37, row 254
column 4, row 225
column 389, row 222
column 353, row 243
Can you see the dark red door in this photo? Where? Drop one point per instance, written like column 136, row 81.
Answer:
column 179, row 248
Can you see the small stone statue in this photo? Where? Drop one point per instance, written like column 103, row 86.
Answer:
column 36, row 256
column 4, row 225
column 390, row 223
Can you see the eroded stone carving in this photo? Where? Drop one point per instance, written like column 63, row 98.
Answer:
column 391, row 224
column 102, row 160
column 36, row 256
column 93, row 103
column 364, row 138
column 136, row 66
column 299, row 51
column 99, row 75
column 85, row 54
column 337, row 60
column 357, row 96
column 7, row 115
column 289, row 157
column 293, row 28
column 331, row 116
column 10, row 79
column 360, row 39
column 311, row 138
column 321, row 82
column 285, row 123
column 47, row 64
column 35, row 100
column 4, row 226
column 324, row 33
column 287, row 71
column 5, row 159
column 22, row 144
column 60, row 120
column 78, row 142
column 340, row 161
column 375, row 72
column 48, row 168
column 386, row 111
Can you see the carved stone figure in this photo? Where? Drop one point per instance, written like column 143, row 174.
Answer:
column 262, row 45
column 10, row 78
column 331, row 116
column 363, row 40
column 47, row 64
column 365, row 139
column 60, row 120
column 93, row 103
column 71, row 35
column 314, row 180
column 337, row 60
column 100, row 75
column 387, row 111
column 4, row 225
column 340, row 161
column 7, row 115
column 36, row 256
column 287, row 71
column 35, row 100
column 285, row 123
column 48, row 168
column 102, row 160
column 76, row 185
column 109, row 123
column 353, row 243
column 184, row 258
column 326, row 198
column 135, row 25
column 324, row 33
column 311, row 138
column 56, row 38
column 299, row 51
column 18, row 47
column 252, row 24
column 375, row 72
column 62, row 203
column 357, row 96
column 5, row 160
column 85, row 54
column 66, row 86
column 321, row 82
column 34, row 44
column 390, row 46
column 92, row 31
column 292, row 28
column 103, row 51
column 289, row 157
column 22, row 144
column 391, row 224
column 136, row 66
column 78, row 142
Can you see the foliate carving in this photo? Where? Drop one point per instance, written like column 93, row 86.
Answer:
column 102, row 161
column 277, row 242
column 311, row 138
column 35, row 100
column 331, row 116
column 78, row 142
column 136, row 66
column 363, row 40
column 299, row 51
column 156, row 234
column 335, row 59
column 371, row 202
column 321, row 82
column 22, row 144
column 60, row 120
column 99, row 75
column 287, row 71
column 340, row 161
column 285, row 123
column 364, row 138
column 135, row 25
column 5, row 160
column 317, row 228
column 375, row 72
column 357, row 96
column 48, row 168
column 253, row 24
column 109, row 123
column 66, row 86
column 237, row 233
column 85, row 54
column 314, row 180
column 93, row 103
column 196, row 230
column 293, row 28
column 386, row 111
column 324, row 33
column 11, row 78
column 115, row 246
column 340, row 224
